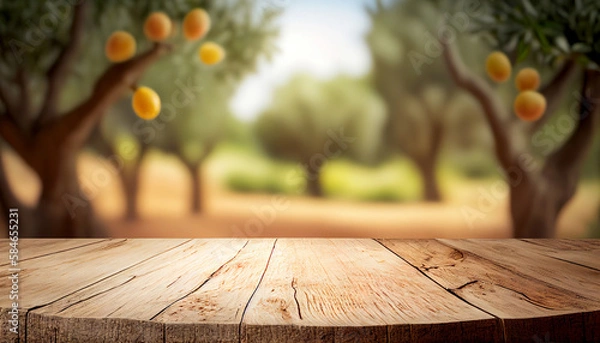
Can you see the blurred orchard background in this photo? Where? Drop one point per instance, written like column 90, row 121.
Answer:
column 326, row 118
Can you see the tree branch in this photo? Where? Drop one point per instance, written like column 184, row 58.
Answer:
column 57, row 74
column 570, row 156
column 492, row 107
column 553, row 92
column 117, row 79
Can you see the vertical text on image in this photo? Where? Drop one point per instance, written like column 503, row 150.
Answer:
column 13, row 269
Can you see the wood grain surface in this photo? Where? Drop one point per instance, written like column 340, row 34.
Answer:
column 304, row 290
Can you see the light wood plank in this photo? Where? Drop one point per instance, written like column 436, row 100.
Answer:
column 136, row 294
column 308, row 290
column 518, row 255
column 526, row 305
column 317, row 290
column 567, row 244
column 46, row 279
column 213, row 313
column 585, row 253
column 34, row 248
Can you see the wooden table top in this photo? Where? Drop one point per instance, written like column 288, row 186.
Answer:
column 303, row 290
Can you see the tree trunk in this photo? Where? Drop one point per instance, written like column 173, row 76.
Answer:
column 431, row 190
column 313, row 182
column 130, row 182
column 49, row 143
column 532, row 205
column 427, row 161
column 537, row 201
column 536, row 198
column 63, row 208
column 197, row 194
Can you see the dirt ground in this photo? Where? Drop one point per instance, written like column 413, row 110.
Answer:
column 469, row 210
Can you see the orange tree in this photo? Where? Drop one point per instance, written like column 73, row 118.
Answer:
column 40, row 45
column 541, row 154
column 195, row 112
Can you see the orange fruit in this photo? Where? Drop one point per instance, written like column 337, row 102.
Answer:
column 528, row 79
column 120, row 46
column 498, row 66
column 530, row 105
column 158, row 26
column 211, row 53
column 196, row 24
column 145, row 103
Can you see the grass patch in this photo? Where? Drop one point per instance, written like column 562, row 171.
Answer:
column 247, row 171
column 395, row 180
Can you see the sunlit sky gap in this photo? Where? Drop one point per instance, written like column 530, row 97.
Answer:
column 323, row 38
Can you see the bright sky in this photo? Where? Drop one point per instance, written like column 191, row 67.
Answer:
column 321, row 37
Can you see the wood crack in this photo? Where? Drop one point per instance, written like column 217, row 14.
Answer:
column 96, row 294
column 537, row 244
column 114, row 311
column 428, row 268
column 296, row 297
column 465, row 285
column 434, row 281
column 108, row 276
column 496, row 318
column 527, row 298
column 202, row 284
column 262, row 276
column 173, row 282
column 574, row 263
column 514, row 271
column 59, row 251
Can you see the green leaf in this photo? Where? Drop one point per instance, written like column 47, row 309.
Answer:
column 562, row 44
column 529, row 9
column 581, row 48
column 522, row 51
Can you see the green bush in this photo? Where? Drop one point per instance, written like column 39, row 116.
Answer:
column 263, row 176
column 393, row 181
column 245, row 182
column 474, row 165
column 384, row 194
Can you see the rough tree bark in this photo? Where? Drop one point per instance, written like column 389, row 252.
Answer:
column 537, row 195
column 50, row 143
